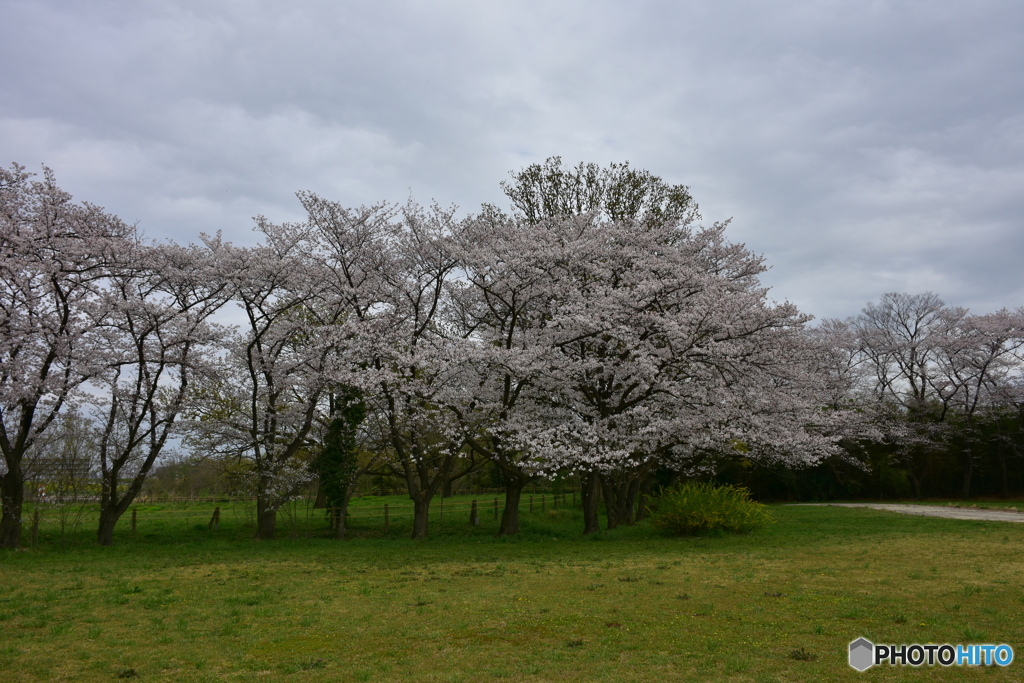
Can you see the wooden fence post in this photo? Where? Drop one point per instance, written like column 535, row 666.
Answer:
column 134, row 514
column 386, row 521
column 543, row 503
column 495, row 508
column 474, row 517
column 531, row 505
column 35, row 527
column 215, row 520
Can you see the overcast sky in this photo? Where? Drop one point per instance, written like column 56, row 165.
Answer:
column 861, row 146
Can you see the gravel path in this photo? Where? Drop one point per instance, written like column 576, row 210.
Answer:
column 936, row 511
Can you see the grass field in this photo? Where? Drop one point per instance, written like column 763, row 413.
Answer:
column 178, row 602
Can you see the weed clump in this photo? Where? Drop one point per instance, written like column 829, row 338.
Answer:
column 697, row 508
column 317, row 663
column 802, row 655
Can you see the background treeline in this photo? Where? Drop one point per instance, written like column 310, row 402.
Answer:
column 998, row 472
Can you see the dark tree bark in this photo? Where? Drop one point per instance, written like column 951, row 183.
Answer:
column 266, row 521
column 611, row 503
column 421, row 517
column 968, row 473
column 1004, row 479
column 114, row 503
column 514, row 476
column 340, row 514
column 12, row 491
column 631, row 496
column 350, row 489
column 513, row 494
column 915, row 481
column 422, row 488
column 644, row 492
column 105, row 532
column 589, row 495
column 619, row 491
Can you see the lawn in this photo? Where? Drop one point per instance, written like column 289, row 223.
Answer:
column 180, row 602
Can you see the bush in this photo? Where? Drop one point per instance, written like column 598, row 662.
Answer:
column 696, row 508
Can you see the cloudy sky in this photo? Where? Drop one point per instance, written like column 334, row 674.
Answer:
column 861, row 146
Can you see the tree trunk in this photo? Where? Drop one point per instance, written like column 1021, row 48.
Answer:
column 631, row 496
column 968, row 472
column 617, row 500
column 421, row 517
column 1004, row 479
column 12, row 493
column 341, row 511
column 266, row 521
column 645, row 491
column 589, row 488
column 113, row 510
column 105, row 532
column 915, row 481
column 510, row 517
column 611, row 508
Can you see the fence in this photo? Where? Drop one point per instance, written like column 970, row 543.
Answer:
column 240, row 512
column 386, row 511
column 144, row 499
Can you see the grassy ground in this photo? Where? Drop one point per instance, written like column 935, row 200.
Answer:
column 177, row 602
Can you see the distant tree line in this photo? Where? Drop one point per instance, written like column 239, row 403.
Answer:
column 944, row 394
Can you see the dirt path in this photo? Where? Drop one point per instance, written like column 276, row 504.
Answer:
column 936, row 511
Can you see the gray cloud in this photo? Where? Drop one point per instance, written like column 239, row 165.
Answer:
column 862, row 147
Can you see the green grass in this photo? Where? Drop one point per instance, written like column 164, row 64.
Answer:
column 179, row 603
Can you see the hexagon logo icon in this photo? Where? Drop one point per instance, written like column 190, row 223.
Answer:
column 862, row 654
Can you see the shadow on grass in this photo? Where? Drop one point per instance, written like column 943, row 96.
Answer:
column 550, row 534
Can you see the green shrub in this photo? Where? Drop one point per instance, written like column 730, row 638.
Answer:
column 695, row 508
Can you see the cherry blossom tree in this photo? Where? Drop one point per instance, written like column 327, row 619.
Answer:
column 157, row 339
column 616, row 193
column 395, row 269
column 670, row 352
column 640, row 339
column 610, row 348
column 271, row 387
column 54, row 257
column 504, row 310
